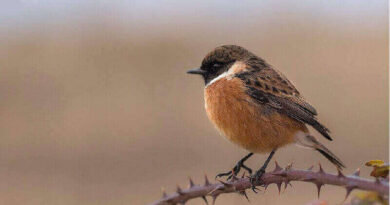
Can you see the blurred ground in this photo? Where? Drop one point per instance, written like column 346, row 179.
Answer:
column 96, row 107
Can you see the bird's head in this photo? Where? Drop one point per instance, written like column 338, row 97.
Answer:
column 220, row 60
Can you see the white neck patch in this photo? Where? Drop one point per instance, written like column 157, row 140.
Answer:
column 222, row 75
column 236, row 67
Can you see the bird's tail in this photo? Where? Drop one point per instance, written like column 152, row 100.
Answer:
column 311, row 142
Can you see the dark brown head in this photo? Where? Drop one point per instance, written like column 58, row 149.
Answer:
column 220, row 60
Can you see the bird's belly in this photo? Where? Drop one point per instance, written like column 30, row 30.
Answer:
column 252, row 126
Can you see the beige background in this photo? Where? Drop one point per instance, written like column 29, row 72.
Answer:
column 96, row 107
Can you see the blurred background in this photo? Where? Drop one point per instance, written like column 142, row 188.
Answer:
column 96, row 107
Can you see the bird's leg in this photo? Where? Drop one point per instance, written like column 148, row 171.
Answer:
column 259, row 173
column 240, row 164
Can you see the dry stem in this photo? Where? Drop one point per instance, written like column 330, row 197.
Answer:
column 278, row 176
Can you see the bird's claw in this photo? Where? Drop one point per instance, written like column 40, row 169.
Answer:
column 229, row 173
column 234, row 171
column 254, row 179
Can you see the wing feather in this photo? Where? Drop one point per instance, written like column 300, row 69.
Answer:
column 269, row 86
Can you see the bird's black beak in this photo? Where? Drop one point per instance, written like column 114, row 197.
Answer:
column 197, row 71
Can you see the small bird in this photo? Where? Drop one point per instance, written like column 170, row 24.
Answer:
column 256, row 107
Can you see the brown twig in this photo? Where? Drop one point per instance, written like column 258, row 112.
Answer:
column 278, row 176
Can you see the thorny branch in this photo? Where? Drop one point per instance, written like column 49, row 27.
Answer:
column 278, row 176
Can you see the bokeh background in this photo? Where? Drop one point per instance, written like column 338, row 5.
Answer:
column 96, row 107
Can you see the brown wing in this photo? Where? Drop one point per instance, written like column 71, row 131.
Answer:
column 271, row 87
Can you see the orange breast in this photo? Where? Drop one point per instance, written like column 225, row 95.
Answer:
column 244, row 122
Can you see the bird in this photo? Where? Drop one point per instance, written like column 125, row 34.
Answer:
column 256, row 107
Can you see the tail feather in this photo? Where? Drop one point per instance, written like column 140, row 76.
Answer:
column 322, row 129
column 311, row 142
column 332, row 158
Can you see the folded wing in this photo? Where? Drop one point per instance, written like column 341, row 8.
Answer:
column 269, row 86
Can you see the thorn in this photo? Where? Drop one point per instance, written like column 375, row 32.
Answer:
column 243, row 175
column 265, row 186
column 340, row 174
column 205, row 200
column 310, row 168
column 206, row 180
column 286, row 183
column 349, row 190
column 178, row 190
column 243, row 192
column 279, row 184
column 214, row 198
column 277, row 167
column 289, row 166
column 191, row 182
column 319, row 185
column 164, row 193
column 357, row 172
column 321, row 171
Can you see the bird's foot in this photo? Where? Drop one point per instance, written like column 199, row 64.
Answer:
column 256, row 178
column 236, row 169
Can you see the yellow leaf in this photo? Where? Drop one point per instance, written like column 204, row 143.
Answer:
column 380, row 168
column 382, row 171
column 374, row 163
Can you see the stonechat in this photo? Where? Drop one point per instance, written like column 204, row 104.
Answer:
column 256, row 107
